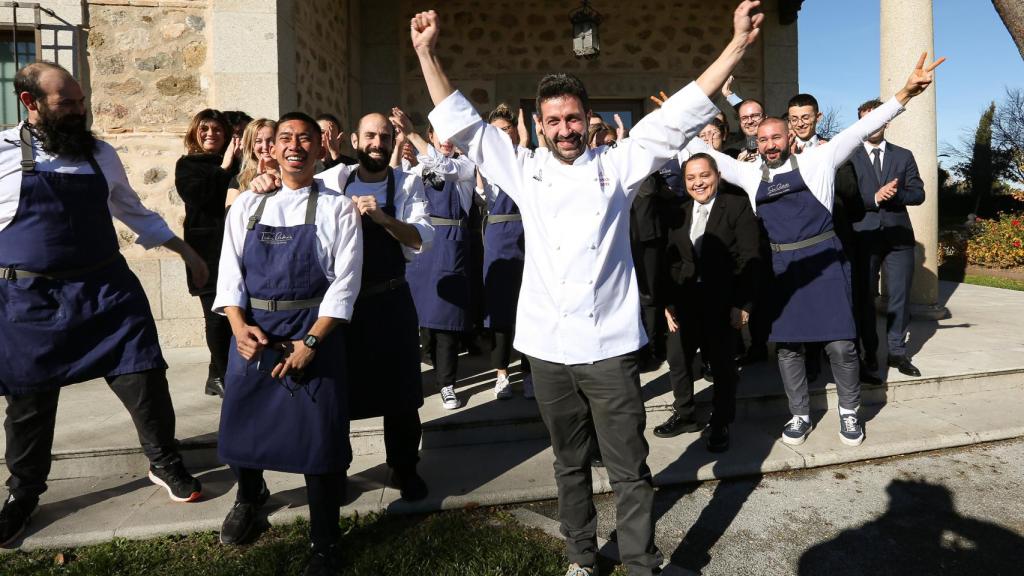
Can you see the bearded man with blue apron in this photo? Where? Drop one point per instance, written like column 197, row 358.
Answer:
column 289, row 274
column 383, row 344
column 439, row 277
column 70, row 308
column 811, row 296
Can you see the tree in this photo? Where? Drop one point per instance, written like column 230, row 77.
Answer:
column 829, row 124
column 1008, row 136
column 981, row 167
column 1012, row 13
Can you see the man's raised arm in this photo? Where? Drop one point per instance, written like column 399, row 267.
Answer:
column 746, row 27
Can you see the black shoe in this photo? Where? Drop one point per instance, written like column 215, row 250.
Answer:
column 867, row 377
column 215, row 386
column 241, row 520
column 706, row 369
column 676, row 425
column 902, row 363
column 14, row 517
column 180, row 485
column 718, row 438
column 323, row 562
column 410, row 484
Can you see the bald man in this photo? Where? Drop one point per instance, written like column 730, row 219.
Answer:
column 73, row 310
column 383, row 341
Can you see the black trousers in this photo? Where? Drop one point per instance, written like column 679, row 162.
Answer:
column 443, row 347
column 402, row 433
column 501, row 351
column 31, row 418
column 324, row 492
column 874, row 253
column 218, row 337
column 647, row 258
column 705, row 326
column 600, row 403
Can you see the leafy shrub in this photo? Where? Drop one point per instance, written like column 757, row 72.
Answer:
column 997, row 243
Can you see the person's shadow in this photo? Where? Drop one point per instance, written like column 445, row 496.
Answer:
column 920, row 533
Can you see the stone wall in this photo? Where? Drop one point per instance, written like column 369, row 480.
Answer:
column 499, row 52
column 322, row 57
column 148, row 74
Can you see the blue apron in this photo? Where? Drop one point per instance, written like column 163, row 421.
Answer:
column 504, row 253
column 290, row 425
column 70, row 308
column 384, row 342
column 438, row 277
column 811, row 295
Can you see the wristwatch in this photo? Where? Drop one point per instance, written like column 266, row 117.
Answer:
column 311, row 341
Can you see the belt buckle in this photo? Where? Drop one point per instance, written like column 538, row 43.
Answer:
column 776, row 247
column 9, row 273
column 272, row 304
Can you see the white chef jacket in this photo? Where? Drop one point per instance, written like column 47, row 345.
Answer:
column 817, row 165
column 123, row 201
column 579, row 301
column 410, row 199
column 339, row 235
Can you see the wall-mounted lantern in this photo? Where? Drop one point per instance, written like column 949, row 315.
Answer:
column 586, row 41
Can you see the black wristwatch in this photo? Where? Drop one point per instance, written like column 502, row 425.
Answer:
column 311, row 341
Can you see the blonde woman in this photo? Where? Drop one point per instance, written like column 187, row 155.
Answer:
column 256, row 158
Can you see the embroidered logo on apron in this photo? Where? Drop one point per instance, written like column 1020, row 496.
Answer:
column 275, row 238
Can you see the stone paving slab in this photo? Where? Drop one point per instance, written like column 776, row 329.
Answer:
column 83, row 511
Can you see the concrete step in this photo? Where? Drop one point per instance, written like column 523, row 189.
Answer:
column 976, row 350
column 91, row 510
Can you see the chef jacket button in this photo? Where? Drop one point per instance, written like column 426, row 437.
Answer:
column 591, row 315
column 591, row 282
column 593, row 246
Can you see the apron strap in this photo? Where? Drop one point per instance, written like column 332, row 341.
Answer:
column 764, row 168
column 28, row 164
column 311, row 200
column 255, row 218
column 389, row 199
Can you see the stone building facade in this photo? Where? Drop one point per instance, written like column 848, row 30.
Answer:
column 148, row 65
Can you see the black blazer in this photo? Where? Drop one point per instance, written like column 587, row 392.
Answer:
column 729, row 256
column 203, row 185
column 891, row 215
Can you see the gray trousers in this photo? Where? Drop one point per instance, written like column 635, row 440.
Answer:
column 604, row 397
column 842, row 356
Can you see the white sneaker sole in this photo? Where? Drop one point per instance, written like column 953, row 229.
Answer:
column 191, row 498
column 797, row 441
column 848, row 442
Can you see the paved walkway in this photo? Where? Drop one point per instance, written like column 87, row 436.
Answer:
column 973, row 391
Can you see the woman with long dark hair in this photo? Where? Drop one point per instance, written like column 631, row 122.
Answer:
column 202, row 177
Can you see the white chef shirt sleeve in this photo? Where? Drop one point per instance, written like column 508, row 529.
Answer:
column 124, row 202
column 347, row 250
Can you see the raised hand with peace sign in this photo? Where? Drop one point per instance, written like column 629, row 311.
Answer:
column 919, row 79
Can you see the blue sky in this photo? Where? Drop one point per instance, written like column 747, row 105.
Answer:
column 839, row 61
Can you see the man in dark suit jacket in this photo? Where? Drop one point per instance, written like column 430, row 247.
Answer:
column 888, row 180
column 708, row 284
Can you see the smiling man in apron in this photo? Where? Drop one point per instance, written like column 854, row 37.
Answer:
column 811, row 297
column 70, row 308
column 289, row 274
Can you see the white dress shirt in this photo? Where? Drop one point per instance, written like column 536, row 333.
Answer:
column 817, row 165
column 123, row 201
column 410, row 199
column 869, row 148
column 579, row 301
column 459, row 170
column 813, row 142
column 339, row 235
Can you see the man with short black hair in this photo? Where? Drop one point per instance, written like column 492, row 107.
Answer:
column 333, row 136
column 579, row 309
column 75, row 310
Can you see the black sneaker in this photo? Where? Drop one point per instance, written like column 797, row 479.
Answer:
column 718, row 438
column 14, row 517
column 324, row 562
column 796, row 431
column 410, row 484
column 241, row 519
column 850, row 430
column 180, row 485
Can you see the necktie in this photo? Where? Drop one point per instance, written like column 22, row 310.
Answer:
column 700, row 221
column 877, row 161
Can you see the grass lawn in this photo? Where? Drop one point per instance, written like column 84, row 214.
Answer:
column 994, row 282
column 457, row 543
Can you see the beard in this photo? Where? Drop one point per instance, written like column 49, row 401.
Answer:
column 569, row 155
column 372, row 164
column 783, row 158
column 64, row 134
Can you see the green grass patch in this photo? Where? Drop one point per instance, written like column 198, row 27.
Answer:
column 456, row 543
column 994, row 282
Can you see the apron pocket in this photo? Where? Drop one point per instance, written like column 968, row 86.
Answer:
column 37, row 301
